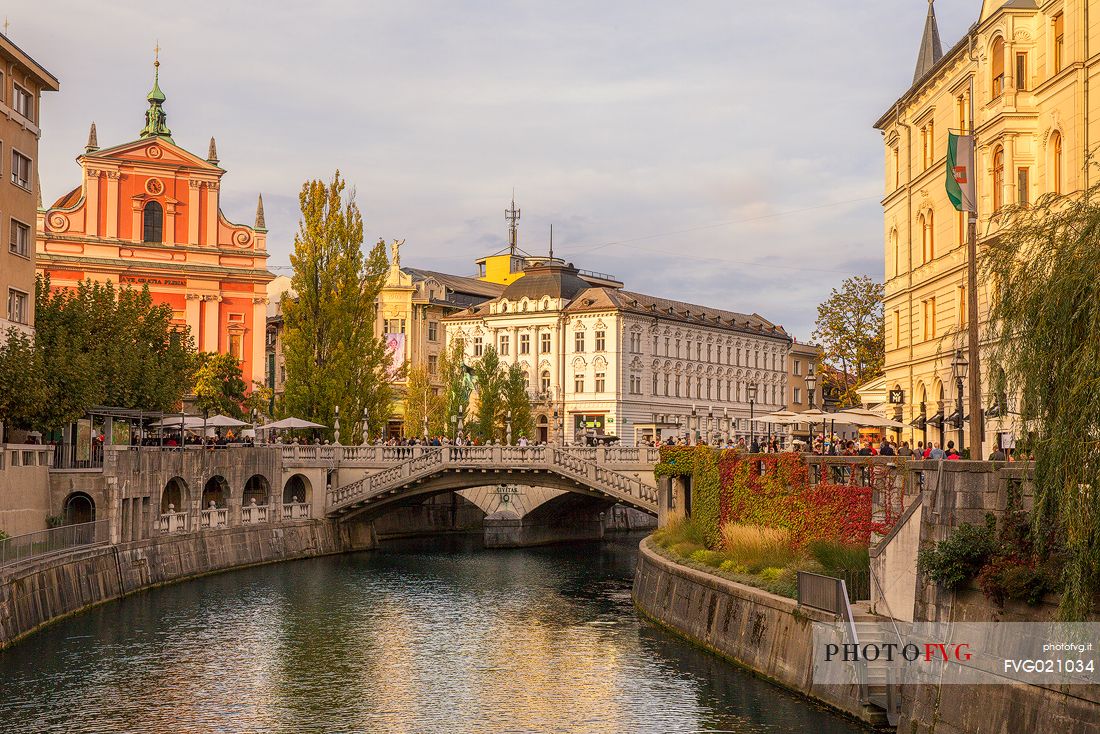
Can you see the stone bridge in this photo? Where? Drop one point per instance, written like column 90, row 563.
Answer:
column 525, row 494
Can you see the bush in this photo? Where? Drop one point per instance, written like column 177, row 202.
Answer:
column 733, row 567
column 756, row 547
column 3, row 535
column 959, row 557
column 835, row 557
column 685, row 548
column 680, row 530
column 707, row 558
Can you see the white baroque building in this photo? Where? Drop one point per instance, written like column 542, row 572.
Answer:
column 600, row 359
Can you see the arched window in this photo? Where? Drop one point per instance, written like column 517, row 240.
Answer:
column 997, row 66
column 544, row 381
column 998, row 177
column 1056, row 162
column 154, row 222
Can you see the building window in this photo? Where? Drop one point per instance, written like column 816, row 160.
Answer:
column 544, row 342
column 796, row 396
column 928, row 144
column 676, row 387
column 1023, row 186
column 677, row 349
column 20, row 169
column 930, row 318
column 997, row 66
column 1056, row 162
column 666, row 384
column 926, row 223
column 394, row 326
column 998, row 178
column 1021, row 72
column 524, row 343
column 578, row 383
column 154, row 222
column 897, row 168
column 708, row 388
column 962, row 108
column 20, row 239
column 22, row 101
column 962, row 306
column 505, row 345
column 601, row 340
column 1059, row 41
column 654, row 384
column 601, row 381
column 544, row 381
column 236, row 346
column 17, row 306
column 709, row 356
column 578, row 341
column 798, row 368
column 433, row 331
column 667, row 341
column 433, row 364
column 478, row 347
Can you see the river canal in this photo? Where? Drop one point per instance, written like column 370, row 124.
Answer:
column 425, row 636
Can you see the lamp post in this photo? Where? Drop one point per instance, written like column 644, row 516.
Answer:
column 561, row 438
column 726, row 423
column 366, row 427
column 750, row 391
column 336, row 427
column 959, row 366
column 710, row 420
column 693, row 439
column 454, row 426
column 508, row 428
column 811, row 386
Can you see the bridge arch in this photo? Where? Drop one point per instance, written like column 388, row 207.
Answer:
column 297, row 489
column 175, row 496
column 258, row 489
column 215, row 493
column 78, row 507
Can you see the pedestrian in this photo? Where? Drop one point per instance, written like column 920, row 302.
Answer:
column 951, row 453
column 937, row 454
column 885, row 449
column 905, row 450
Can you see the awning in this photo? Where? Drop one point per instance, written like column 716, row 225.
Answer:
column 919, row 423
column 936, row 420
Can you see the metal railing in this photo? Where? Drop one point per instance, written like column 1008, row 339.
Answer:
column 22, row 547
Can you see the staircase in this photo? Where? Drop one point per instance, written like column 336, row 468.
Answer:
column 882, row 691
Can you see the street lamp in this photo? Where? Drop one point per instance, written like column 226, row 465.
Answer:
column 454, row 426
column 558, row 428
column 710, row 420
column 959, row 366
column 336, row 427
column 366, row 427
column 508, row 428
column 750, row 390
column 811, row 386
column 691, row 426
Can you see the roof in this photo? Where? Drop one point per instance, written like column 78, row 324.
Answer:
column 458, row 283
column 931, row 50
column 49, row 81
column 68, row 199
column 552, row 279
column 689, row 313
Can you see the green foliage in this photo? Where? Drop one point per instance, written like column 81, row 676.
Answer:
column 676, row 461
column 1044, row 328
column 219, row 385
column 517, row 402
column 489, row 386
column 22, row 382
column 333, row 357
column 3, row 535
column 836, row 557
column 99, row 345
column 706, row 507
column 423, row 402
column 679, row 530
column 708, row 558
column 55, row 521
column 959, row 557
column 453, row 373
column 849, row 328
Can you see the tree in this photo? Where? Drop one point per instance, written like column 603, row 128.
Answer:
column 517, row 402
column 101, row 345
column 333, row 357
column 489, row 386
column 219, row 385
column 849, row 328
column 1044, row 331
column 455, row 376
column 22, row 385
column 423, row 402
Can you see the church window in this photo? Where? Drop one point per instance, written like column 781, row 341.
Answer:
column 997, row 63
column 154, row 222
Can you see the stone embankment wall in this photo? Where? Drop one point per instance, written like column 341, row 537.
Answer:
column 766, row 633
column 43, row 590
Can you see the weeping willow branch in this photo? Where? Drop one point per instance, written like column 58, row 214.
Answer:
column 1043, row 268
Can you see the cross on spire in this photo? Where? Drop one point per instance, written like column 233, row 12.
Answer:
column 512, row 215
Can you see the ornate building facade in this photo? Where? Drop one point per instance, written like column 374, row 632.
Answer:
column 22, row 82
column 1023, row 69
column 602, row 360
column 147, row 212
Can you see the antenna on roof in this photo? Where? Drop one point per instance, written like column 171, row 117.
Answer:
column 551, row 241
column 512, row 215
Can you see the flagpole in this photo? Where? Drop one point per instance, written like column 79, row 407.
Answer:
column 977, row 419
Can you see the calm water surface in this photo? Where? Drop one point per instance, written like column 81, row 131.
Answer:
column 434, row 635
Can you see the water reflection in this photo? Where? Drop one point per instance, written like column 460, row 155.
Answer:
column 423, row 636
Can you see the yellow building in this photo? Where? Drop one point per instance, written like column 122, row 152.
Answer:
column 1026, row 66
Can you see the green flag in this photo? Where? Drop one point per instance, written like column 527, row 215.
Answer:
column 960, row 172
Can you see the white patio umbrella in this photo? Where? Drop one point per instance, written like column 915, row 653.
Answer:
column 289, row 424
column 869, row 419
column 224, row 421
column 780, row 418
column 178, row 421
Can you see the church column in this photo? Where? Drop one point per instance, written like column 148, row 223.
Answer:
column 211, row 210
column 91, row 199
column 136, row 229
column 210, row 327
column 193, row 314
column 170, row 221
column 259, row 339
column 111, row 230
column 193, row 193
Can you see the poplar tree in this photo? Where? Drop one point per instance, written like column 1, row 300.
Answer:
column 333, row 356
column 849, row 328
column 488, row 385
column 421, row 402
column 517, row 402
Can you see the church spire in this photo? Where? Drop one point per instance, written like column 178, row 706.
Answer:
column 931, row 50
column 212, row 152
column 93, row 141
column 156, row 121
column 261, row 225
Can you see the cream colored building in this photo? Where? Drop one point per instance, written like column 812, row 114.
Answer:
column 1028, row 67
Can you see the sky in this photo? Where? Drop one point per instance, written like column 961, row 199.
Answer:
column 720, row 153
